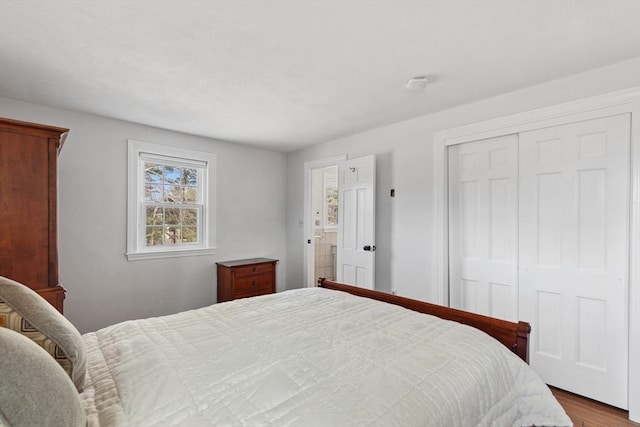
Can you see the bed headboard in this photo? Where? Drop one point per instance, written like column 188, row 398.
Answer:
column 515, row 336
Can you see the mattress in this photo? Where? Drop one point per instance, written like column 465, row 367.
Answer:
column 308, row 357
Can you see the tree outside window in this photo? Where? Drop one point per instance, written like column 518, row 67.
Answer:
column 171, row 204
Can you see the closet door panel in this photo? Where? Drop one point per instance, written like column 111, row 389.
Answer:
column 573, row 249
column 482, row 227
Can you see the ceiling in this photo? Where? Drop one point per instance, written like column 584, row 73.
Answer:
column 288, row 74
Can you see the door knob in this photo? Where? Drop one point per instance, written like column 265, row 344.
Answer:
column 369, row 248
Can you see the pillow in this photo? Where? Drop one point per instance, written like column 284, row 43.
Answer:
column 26, row 312
column 35, row 390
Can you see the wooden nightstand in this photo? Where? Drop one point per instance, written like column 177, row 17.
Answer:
column 246, row 278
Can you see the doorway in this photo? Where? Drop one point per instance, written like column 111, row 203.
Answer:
column 340, row 220
column 324, row 206
column 318, row 248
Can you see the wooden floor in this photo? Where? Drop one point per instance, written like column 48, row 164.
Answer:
column 589, row 413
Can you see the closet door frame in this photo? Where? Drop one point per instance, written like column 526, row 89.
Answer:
column 620, row 102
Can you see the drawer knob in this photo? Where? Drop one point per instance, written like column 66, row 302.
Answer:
column 255, row 282
column 254, row 269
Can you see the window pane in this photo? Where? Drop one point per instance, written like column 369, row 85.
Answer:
column 190, row 195
column 172, row 174
column 189, row 234
column 152, row 193
column 154, row 215
column 153, row 173
column 190, row 217
column 172, row 235
column 172, row 193
column 332, row 206
column 189, row 176
column 332, row 215
column 154, row 236
column 172, row 216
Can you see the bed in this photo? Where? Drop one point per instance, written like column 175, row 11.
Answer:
column 333, row 355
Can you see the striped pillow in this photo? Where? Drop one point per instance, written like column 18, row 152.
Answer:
column 26, row 312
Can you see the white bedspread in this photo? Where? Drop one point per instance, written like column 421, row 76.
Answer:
column 308, row 357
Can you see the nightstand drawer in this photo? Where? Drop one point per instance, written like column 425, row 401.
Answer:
column 254, row 269
column 255, row 283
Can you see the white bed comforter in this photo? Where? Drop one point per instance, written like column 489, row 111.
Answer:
column 308, row 357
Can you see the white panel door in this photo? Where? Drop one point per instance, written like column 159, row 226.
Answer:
column 573, row 248
column 483, row 227
column 356, row 222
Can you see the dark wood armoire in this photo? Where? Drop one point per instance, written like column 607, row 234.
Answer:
column 28, row 206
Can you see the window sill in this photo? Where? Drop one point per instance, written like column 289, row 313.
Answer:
column 176, row 253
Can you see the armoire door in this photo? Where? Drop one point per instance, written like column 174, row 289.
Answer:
column 573, row 250
column 483, row 227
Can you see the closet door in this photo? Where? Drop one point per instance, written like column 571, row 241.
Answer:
column 573, row 249
column 483, row 227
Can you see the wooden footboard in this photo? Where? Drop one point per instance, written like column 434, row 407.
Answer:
column 515, row 336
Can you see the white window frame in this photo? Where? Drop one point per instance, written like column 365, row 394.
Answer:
column 140, row 152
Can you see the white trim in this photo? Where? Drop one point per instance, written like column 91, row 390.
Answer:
column 620, row 102
column 138, row 150
column 441, row 192
column 175, row 161
column 570, row 112
column 178, row 253
column 309, row 251
column 634, row 266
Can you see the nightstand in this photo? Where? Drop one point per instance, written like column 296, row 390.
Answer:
column 246, row 278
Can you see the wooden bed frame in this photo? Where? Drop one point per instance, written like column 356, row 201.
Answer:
column 515, row 336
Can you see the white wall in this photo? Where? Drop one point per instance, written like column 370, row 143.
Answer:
column 102, row 286
column 253, row 186
column 405, row 226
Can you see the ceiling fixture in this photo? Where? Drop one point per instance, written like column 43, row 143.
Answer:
column 417, row 83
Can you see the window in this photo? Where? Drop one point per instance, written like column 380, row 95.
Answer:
column 331, row 198
column 171, row 201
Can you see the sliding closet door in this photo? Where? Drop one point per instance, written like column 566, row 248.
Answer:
column 483, row 227
column 573, row 248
